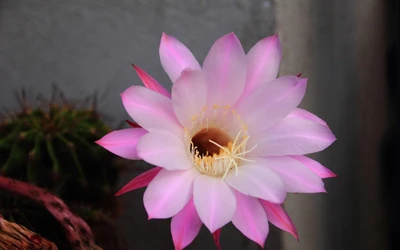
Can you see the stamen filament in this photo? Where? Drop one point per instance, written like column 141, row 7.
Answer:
column 244, row 159
column 221, row 147
column 243, row 142
column 228, row 154
column 248, row 151
column 237, row 137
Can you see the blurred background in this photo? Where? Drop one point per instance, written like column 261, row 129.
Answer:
column 349, row 51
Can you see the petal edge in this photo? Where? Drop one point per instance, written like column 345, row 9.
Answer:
column 150, row 82
column 123, row 142
column 250, row 218
column 278, row 216
column 139, row 181
column 175, row 57
column 185, row 226
column 209, row 195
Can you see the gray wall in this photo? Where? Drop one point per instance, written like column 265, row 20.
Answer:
column 341, row 47
column 88, row 45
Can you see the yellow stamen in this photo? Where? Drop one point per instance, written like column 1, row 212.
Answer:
column 211, row 149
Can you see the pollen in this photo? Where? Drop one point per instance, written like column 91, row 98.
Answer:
column 226, row 158
column 211, row 146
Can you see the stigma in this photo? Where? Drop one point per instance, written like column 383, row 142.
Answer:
column 212, row 149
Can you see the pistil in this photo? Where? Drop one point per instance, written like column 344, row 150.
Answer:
column 211, row 148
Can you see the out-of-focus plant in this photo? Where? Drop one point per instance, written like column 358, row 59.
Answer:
column 49, row 143
column 76, row 231
column 14, row 236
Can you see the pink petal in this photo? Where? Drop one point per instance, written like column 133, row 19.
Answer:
column 164, row 149
column 175, row 57
column 150, row 110
column 296, row 177
column 216, row 236
column 263, row 62
column 272, row 102
column 214, row 200
column 185, row 226
column 301, row 113
column 315, row 166
column 150, row 82
column 225, row 71
column 250, row 218
column 133, row 124
column 139, row 181
column 258, row 181
column 189, row 96
column 292, row 136
column 123, row 142
column 168, row 193
column 277, row 216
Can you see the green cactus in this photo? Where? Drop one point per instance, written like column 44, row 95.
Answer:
column 52, row 146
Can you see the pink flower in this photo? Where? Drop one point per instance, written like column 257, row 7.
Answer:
column 228, row 141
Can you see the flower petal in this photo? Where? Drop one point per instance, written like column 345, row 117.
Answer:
column 250, row 218
column 123, row 142
column 150, row 110
column 189, row 96
column 225, row 71
column 216, row 236
column 168, row 193
column 175, row 57
column 272, row 102
column 139, row 181
column 150, row 82
column 296, row 177
column 258, row 181
column 315, row 166
column 292, row 136
column 301, row 113
column 278, row 216
column 133, row 124
column 164, row 149
column 263, row 62
column 214, row 200
column 185, row 226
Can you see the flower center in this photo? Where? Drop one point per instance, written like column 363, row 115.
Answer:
column 202, row 141
column 211, row 146
column 214, row 153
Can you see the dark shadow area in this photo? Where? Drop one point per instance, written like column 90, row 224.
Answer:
column 391, row 144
